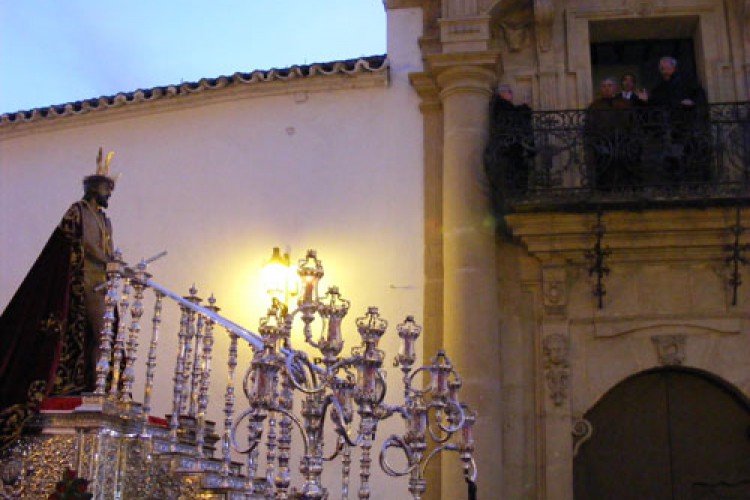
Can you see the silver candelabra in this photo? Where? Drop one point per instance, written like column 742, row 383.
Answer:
column 345, row 394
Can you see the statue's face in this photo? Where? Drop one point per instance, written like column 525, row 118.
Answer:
column 102, row 192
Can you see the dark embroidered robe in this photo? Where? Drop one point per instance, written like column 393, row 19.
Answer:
column 44, row 334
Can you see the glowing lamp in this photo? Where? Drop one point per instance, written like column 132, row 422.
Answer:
column 275, row 275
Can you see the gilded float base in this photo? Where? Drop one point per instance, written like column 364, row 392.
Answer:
column 122, row 457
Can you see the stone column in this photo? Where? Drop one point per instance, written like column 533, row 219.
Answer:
column 470, row 283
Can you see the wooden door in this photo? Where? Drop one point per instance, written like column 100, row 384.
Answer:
column 672, row 434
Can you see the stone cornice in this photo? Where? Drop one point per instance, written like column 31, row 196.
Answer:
column 637, row 8
column 655, row 235
column 465, row 34
column 438, row 63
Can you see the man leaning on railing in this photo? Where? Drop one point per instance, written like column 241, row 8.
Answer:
column 681, row 104
column 512, row 146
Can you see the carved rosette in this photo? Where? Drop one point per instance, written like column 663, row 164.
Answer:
column 556, row 349
column 554, row 289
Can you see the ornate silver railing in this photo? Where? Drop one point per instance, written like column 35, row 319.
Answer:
column 291, row 397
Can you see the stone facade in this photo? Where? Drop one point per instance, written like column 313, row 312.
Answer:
column 510, row 295
column 543, row 350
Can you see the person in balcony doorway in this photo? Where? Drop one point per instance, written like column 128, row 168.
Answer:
column 686, row 144
column 509, row 154
column 49, row 332
column 629, row 92
column 675, row 90
column 607, row 129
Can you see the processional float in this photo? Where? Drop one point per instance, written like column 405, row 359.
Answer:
column 296, row 403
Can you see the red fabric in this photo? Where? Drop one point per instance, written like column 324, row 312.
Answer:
column 60, row 404
column 161, row 422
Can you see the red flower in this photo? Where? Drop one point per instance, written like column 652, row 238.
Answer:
column 71, row 486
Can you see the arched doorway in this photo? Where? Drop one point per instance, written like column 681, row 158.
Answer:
column 673, row 434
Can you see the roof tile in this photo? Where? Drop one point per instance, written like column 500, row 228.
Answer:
column 370, row 64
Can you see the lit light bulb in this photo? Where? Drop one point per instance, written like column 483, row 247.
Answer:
column 275, row 276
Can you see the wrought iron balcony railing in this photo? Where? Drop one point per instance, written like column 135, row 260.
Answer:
column 646, row 156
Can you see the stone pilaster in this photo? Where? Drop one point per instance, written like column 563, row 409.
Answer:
column 432, row 340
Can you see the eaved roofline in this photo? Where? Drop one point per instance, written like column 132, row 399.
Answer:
column 345, row 74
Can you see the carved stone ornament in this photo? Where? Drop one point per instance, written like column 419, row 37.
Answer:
column 670, row 349
column 554, row 293
column 516, row 35
column 544, row 18
column 554, row 290
column 556, row 348
column 641, row 7
column 515, row 19
column 582, row 431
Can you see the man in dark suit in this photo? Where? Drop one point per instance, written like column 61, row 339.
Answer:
column 682, row 102
column 629, row 91
column 508, row 156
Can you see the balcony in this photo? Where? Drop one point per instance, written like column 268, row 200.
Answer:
column 648, row 157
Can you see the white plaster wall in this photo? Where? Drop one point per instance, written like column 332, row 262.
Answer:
column 218, row 185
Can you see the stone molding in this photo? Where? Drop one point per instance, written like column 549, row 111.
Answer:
column 669, row 325
column 487, row 60
column 656, row 235
column 466, row 34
